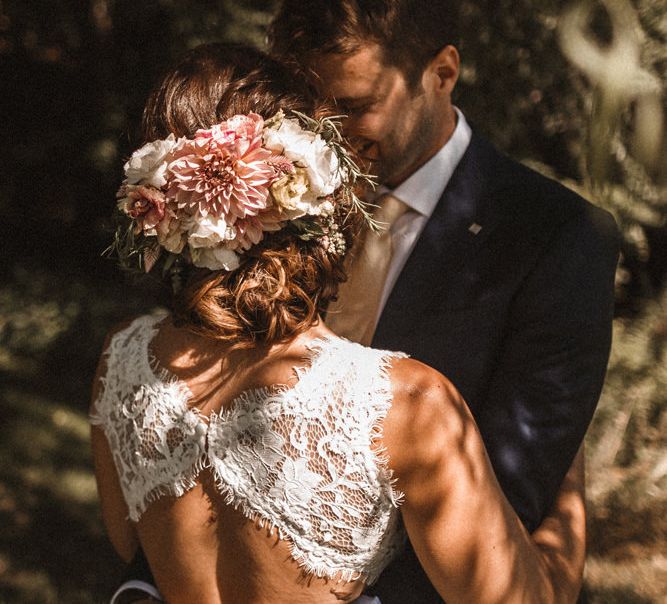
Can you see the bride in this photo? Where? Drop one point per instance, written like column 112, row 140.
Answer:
column 254, row 456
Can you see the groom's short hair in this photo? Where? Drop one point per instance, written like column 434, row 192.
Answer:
column 409, row 32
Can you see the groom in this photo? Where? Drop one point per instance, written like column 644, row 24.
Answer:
column 492, row 274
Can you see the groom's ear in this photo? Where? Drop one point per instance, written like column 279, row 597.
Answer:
column 442, row 72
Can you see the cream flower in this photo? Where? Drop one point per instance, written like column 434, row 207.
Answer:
column 209, row 231
column 148, row 165
column 288, row 193
column 292, row 197
column 308, row 150
column 215, row 258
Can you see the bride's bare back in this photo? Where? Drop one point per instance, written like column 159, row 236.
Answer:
column 202, row 550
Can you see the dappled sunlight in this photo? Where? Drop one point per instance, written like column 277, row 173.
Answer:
column 633, row 581
column 52, row 547
column 48, row 504
column 75, row 82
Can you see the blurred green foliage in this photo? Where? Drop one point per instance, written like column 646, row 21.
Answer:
column 75, row 75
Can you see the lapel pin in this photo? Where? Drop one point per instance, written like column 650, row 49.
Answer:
column 475, row 228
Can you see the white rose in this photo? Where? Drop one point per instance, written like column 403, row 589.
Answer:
column 322, row 165
column 215, row 258
column 291, row 196
column 209, row 231
column 147, row 164
column 310, row 151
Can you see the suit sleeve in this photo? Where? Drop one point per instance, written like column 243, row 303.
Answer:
column 550, row 369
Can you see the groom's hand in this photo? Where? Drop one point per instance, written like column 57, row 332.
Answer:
column 563, row 530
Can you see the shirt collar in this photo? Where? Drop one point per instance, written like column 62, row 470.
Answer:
column 423, row 189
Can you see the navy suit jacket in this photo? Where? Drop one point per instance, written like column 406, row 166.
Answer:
column 517, row 316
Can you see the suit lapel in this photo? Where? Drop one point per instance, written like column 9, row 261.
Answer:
column 448, row 239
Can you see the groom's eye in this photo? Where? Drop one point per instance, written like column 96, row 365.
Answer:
column 355, row 108
column 361, row 108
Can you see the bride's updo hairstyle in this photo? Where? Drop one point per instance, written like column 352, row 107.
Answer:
column 284, row 281
column 212, row 82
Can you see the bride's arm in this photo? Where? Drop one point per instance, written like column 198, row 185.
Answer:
column 467, row 537
column 121, row 531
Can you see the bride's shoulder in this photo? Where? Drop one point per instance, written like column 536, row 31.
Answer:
column 128, row 325
column 427, row 412
column 415, row 383
column 118, row 341
column 118, row 333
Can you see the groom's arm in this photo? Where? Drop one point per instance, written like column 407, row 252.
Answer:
column 550, row 370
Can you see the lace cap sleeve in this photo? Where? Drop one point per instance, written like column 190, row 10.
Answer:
column 157, row 442
column 122, row 365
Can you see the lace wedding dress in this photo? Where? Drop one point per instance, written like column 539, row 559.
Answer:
column 297, row 459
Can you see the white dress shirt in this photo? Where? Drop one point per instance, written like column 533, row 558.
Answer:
column 421, row 192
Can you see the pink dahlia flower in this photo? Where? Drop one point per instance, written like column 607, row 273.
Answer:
column 238, row 134
column 224, row 171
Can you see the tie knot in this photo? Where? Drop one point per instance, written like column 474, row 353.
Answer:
column 389, row 210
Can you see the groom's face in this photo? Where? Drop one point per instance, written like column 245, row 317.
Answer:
column 390, row 123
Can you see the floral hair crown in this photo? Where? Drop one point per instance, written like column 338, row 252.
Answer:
column 205, row 201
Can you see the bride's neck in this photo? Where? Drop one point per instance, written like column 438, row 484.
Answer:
column 187, row 353
column 216, row 371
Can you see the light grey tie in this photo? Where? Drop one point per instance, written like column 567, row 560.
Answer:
column 354, row 314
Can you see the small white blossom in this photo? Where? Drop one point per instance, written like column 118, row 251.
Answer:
column 326, row 208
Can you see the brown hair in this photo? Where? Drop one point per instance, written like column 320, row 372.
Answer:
column 215, row 81
column 284, row 282
column 410, row 32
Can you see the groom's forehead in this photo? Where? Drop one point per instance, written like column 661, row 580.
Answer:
column 355, row 75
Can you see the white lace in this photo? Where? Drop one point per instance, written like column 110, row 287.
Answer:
column 298, row 459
